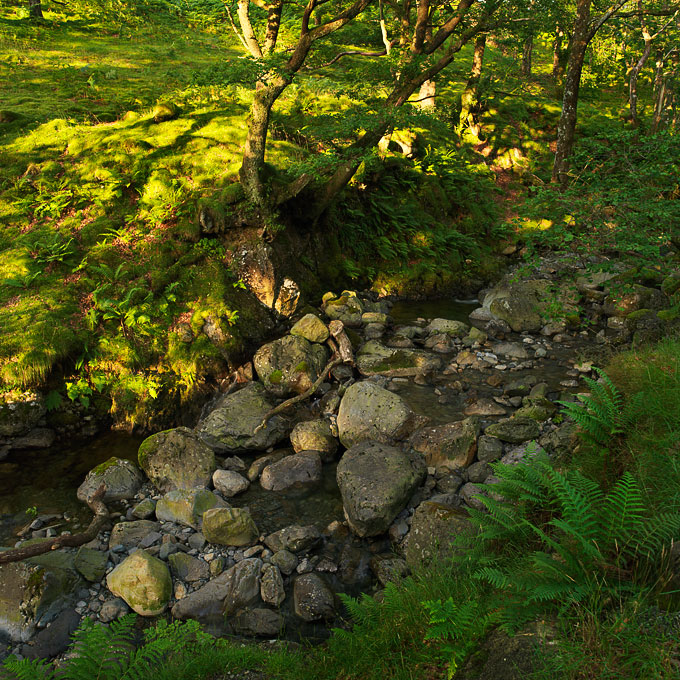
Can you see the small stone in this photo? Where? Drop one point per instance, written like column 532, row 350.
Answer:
column 285, row 560
column 230, row 483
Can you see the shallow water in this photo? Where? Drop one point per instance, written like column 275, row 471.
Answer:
column 457, row 310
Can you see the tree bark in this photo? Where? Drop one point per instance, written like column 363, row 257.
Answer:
column 470, row 95
column 35, row 9
column 527, row 51
column 572, row 83
column 427, row 94
column 634, row 75
column 559, row 55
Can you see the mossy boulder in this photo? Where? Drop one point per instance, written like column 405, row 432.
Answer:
column 373, row 358
column 632, row 299
column 347, row 308
column 91, row 564
column 311, row 328
column 452, row 445
column 164, row 111
column 289, row 365
column 455, row 329
column 230, row 426
column 514, row 430
column 176, row 459
column 131, row 534
column 536, row 408
column 143, row 581
column 229, row 526
column 122, row 478
column 186, row 506
column 370, row 412
column 314, row 435
column 376, row 481
column 20, row 413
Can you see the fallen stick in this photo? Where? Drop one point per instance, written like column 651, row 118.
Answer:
column 342, row 354
column 101, row 517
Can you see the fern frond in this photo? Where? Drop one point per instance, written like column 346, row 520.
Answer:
column 13, row 669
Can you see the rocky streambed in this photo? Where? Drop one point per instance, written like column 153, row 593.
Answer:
column 254, row 529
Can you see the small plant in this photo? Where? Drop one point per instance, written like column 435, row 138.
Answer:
column 32, row 511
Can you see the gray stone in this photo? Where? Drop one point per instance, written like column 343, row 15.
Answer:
column 90, row 564
column 489, row 449
column 144, row 509
column 130, row 534
column 271, row 585
column 229, row 526
column 514, row 430
column 452, row 445
column 455, row 329
column 310, row 327
column 294, row 538
column 478, row 472
column 484, row 407
column 285, row 560
column 258, row 622
column 259, row 464
column 374, row 358
column 20, row 414
column 376, row 481
column 123, row 479
column 314, row 435
column 187, row 568
column 186, row 506
column 511, row 349
column 289, row 365
column 388, row 568
column 176, row 459
column 296, row 471
column 113, row 609
column 230, row 426
column 312, row 598
column 230, row 483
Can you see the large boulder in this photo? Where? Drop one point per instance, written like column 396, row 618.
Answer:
column 370, row 412
column 186, row 506
column 176, row 459
column 227, row 593
column 310, row 327
column 143, row 581
column 32, row 595
column 229, row 526
column 297, row 471
column 452, row 445
column 373, row 358
column 289, row 365
column 314, row 435
column 230, row 427
column 312, row 598
column 376, row 481
column 433, row 528
column 122, row 478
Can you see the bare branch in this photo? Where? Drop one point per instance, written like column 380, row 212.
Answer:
column 351, row 53
column 249, row 36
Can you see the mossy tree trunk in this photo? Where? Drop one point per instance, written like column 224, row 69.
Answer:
column 35, row 9
column 527, row 53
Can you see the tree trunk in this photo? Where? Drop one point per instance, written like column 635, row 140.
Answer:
column 632, row 83
column 426, row 95
column 35, row 9
column 527, row 51
column 256, row 141
column 470, row 95
column 572, row 82
column 559, row 61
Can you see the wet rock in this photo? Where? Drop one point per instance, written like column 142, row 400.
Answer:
column 314, row 435
column 143, row 581
column 439, row 343
column 294, row 538
column 297, row 471
column 312, row 598
column 370, row 412
column 230, row 483
column 144, row 509
column 514, row 430
column 511, row 349
column 123, row 479
column 484, row 407
column 130, row 534
column 229, row 526
column 187, row 568
column 113, row 609
column 561, row 441
column 376, row 481
column 230, row 427
column 519, row 388
column 37, row 438
column 452, row 445
column 258, row 622
column 176, row 459
column 259, row 464
column 489, row 449
column 388, row 568
column 433, row 528
column 450, row 483
column 90, row 564
column 53, row 640
column 186, row 506
column 285, row 560
column 271, row 585
column 536, row 408
column 289, row 365
column 454, row 329
column 478, row 472
column 348, row 308
column 374, row 358
column 474, row 336
column 311, row 328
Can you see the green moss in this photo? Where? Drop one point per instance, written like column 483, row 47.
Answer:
column 302, row 367
column 275, row 377
column 639, row 314
column 668, row 314
column 103, row 467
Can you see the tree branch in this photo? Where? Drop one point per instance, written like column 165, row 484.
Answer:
column 351, row 53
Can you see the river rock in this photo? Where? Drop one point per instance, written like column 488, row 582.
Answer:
column 271, row 585
column 632, row 300
column 144, row 509
column 536, row 408
column 489, row 449
column 348, row 308
column 293, row 538
column 113, row 609
column 373, row 358
column 289, row 365
column 388, row 568
column 259, row 464
column 123, row 479
column 176, row 459
column 314, row 435
column 370, row 412
column 230, row 483
column 312, row 598
column 514, row 430
column 454, row 329
column 297, row 471
column 229, row 526
column 20, row 413
column 433, row 528
column 32, row 594
column 53, row 640
column 311, row 328
column 91, row 564
column 187, row 568
column 186, row 506
column 230, row 427
column 561, row 442
column 510, row 349
column 376, row 481
column 131, row 534
column 143, row 581
column 484, row 407
column 225, row 594
column 259, row 622
column 285, row 560
column 452, row 445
